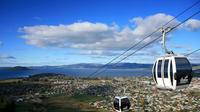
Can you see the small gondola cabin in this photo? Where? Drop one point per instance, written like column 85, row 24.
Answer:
column 172, row 72
column 121, row 103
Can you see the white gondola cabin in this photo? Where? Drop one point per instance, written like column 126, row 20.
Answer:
column 172, row 71
column 121, row 103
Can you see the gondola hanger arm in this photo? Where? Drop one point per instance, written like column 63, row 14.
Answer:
column 164, row 32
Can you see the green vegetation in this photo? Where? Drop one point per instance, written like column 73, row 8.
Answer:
column 196, row 75
column 67, row 104
column 194, row 94
column 63, row 103
column 11, row 81
column 42, row 75
column 196, row 67
column 6, row 105
column 40, row 84
column 87, row 98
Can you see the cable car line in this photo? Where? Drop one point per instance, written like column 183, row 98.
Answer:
column 152, row 41
column 169, row 60
column 192, row 52
column 93, row 73
column 172, row 71
column 132, row 53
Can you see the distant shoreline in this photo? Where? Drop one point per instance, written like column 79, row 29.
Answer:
column 24, row 72
column 74, row 72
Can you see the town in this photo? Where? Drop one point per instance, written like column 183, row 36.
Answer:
column 43, row 92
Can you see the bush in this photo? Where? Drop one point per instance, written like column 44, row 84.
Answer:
column 7, row 105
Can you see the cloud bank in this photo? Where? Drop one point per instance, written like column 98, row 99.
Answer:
column 99, row 38
column 192, row 24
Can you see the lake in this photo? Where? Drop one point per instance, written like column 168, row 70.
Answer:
column 75, row 72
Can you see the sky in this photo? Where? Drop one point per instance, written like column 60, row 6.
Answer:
column 62, row 32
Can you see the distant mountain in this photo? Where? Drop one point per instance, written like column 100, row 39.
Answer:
column 16, row 68
column 93, row 65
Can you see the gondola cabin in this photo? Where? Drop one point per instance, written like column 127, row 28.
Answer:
column 172, row 72
column 121, row 104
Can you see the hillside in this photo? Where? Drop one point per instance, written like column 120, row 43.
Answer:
column 16, row 68
column 196, row 67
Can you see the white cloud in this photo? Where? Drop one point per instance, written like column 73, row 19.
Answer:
column 67, row 35
column 97, row 38
column 99, row 52
column 192, row 24
column 149, row 24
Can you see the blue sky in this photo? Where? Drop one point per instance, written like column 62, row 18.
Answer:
column 59, row 32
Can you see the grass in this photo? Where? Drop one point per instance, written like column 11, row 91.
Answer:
column 67, row 104
column 87, row 98
column 63, row 103
column 195, row 94
column 196, row 67
column 10, row 81
column 196, row 75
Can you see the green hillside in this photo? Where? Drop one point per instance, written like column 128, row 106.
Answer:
column 196, row 67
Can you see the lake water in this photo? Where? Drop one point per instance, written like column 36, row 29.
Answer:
column 75, row 72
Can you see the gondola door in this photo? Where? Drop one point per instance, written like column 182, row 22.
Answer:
column 166, row 73
column 171, row 74
column 159, row 73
